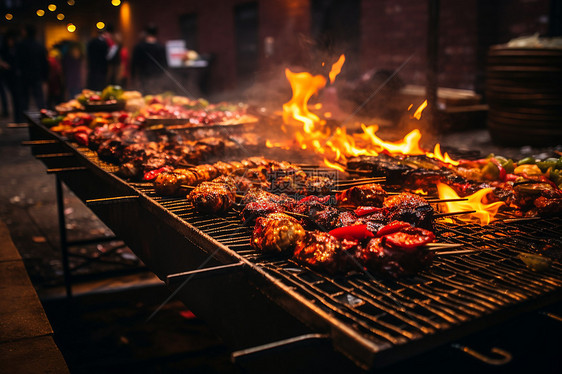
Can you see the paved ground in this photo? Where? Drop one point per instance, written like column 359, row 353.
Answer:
column 104, row 331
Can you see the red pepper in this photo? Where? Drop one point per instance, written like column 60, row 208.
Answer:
column 503, row 173
column 81, row 138
column 392, row 227
column 122, row 117
column 366, row 210
column 409, row 239
column 151, row 175
column 511, row 177
column 355, row 232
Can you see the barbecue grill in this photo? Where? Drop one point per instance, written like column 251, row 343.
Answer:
column 258, row 303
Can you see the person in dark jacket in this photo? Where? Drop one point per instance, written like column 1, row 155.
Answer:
column 149, row 63
column 12, row 74
column 97, row 51
column 32, row 62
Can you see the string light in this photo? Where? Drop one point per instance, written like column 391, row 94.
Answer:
column 60, row 16
column 100, row 25
column 70, row 2
column 70, row 27
column 40, row 12
column 9, row 16
column 115, row 2
column 52, row 7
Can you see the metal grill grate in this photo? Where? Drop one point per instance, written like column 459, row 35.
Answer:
column 456, row 289
column 454, row 292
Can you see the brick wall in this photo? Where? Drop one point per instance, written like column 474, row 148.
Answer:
column 391, row 31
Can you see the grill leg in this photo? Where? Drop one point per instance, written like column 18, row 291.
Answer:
column 63, row 239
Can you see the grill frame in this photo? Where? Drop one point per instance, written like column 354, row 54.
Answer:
column 168, row 243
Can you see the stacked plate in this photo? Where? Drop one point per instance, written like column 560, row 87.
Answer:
column 524, row 93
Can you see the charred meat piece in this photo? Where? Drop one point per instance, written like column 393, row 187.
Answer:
column 527, row 192
column 321, row 251
column 317, row 185
column 277, row 233
column 209, row 197
column 240, row 184
column 237, row 167
column 257, row 195
column 224, row 168
column 398, row 253
column 381, row 165
column 205, row 172
column 261, row 208
column 324, row 217
column 111, row 151
column 366, row 195
column 257, row 174
column 348, row 218
column 258, row 161
column 410, row 208
column 189, row 177
column 130, row 170
column 168, row 184
column 545, row 205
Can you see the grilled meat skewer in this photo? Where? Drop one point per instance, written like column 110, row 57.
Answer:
column 321, row 251
column 277, row 233
column 371, row 194
column 399, row 253
column 213, row 197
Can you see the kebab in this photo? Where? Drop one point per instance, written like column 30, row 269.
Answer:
column 217, row 196
column 393, row 250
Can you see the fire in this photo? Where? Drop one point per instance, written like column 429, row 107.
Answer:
column 334, row 165
column 304, row 85
column 485, row 213
column 410, row 145
column 442, row 157
column 336, row 68
column 418, row 113
column 337, row 145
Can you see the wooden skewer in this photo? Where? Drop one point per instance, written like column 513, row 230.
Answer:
column 308, row 166
column 456, row 252
column 365, row 179
column 357, row 171
column 362, row 181
column 296, row 215
column 444, row 245
column 522, row 219
column 437, row 201
column 439, row 215
column 438, row 250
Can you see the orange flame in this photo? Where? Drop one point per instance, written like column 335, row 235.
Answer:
column 410, row 145
column 418, row 113
column 337, row 145
column 485, row 213
column 304, row 85
column 441, row 157
column 336, row 68
column 334, row 165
